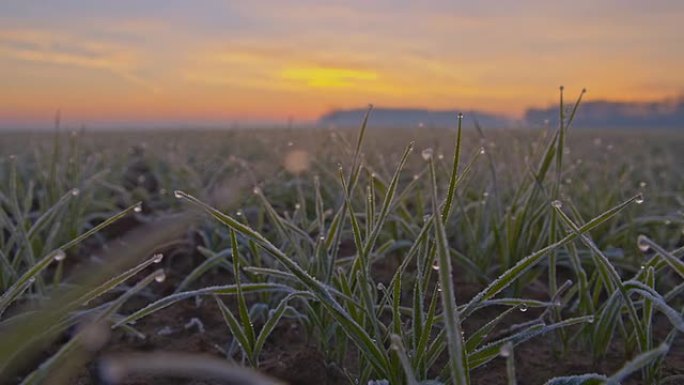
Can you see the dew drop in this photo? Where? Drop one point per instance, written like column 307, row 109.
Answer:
column 297, row 206
column 557, row 204
column 426, row 154
column 75, row 192
column 238, row 213
column 160, row 277
column 639, row 199
column 440, row 156
column 178, row 194
column 138, row 208
column 642, row 184
column 523, row 307
column 591, row 320
column 642, row 243
column 290, row 144
column 59, row 255
column 460, row 116
column 415, row 176
column 505, row 350
column 380, row 286
column 482, row 150
column 157, row 258
column 321, row 238
column 256, row 190
column 435, row 265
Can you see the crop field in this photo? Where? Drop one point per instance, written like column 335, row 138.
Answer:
column 360, row 255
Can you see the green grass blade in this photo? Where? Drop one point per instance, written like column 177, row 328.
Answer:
column 452, row 322
column 446, row 209
column 236, row 330
column 508, row 277
column 247, row 327
column 353, row 329
column 217, row 290
column 637, row 363
column 675, row 263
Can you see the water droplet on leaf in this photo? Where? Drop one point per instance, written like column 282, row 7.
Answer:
column 59, row 255
column 639, row 199
column 505, row 350
column 642, row 243
column 160, row 277
column 157, row 258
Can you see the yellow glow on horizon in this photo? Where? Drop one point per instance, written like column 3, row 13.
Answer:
column 319, row 77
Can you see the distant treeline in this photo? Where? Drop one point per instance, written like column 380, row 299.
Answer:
column 591, row 114
column 594, row 114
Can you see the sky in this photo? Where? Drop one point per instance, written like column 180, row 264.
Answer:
column 173, row 62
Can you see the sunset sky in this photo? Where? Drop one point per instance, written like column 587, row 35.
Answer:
column 196, row 62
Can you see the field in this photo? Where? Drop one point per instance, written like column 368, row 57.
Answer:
column 337, row 256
